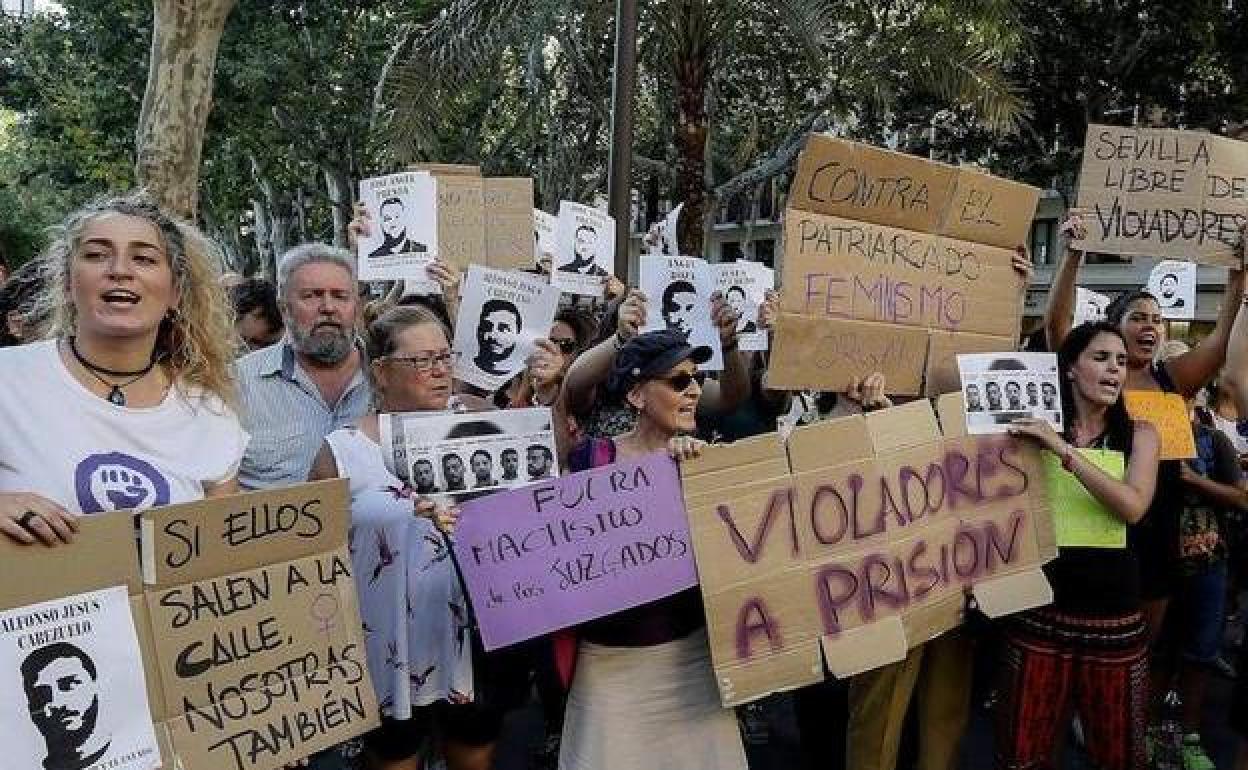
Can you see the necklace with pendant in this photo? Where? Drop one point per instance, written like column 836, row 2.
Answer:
column 116, row 394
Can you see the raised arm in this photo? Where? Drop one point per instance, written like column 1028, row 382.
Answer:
column 1061, row 307
column 1194, row 369
column 592, row 367
column 1235, row 374
column 733, row 386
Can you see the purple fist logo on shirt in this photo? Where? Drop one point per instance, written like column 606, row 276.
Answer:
column 118, row 482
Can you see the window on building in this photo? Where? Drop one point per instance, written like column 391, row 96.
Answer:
column 1043, row 242
column 730, row 251
column 765, row 252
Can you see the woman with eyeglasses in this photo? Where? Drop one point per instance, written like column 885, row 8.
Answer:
column 643, row 693
column 411, row 602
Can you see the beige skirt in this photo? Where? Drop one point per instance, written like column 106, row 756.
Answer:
column 648, row 708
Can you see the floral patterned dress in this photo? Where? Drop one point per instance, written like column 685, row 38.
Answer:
column 415, row 616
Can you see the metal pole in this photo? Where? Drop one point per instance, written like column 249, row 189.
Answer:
column 623, row 83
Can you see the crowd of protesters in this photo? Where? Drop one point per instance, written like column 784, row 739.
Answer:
column 124, row 341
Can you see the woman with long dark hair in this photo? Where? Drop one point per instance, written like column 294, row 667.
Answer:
column 1088, row 650
column 1138, row 318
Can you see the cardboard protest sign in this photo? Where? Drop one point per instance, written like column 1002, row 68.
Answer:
column 73, row 672
column 501, row 316
column 679, row 291
column 1079, row 519
column 461, row 219
column 404, row 237
column 256, row 627
column 903, row 243
column 466, row 454
column 1168, row 414
column 575, row 548
column 1173, row 283
column 998, row 388
column 508, row 203
column 1159, row 192
column 744, row 285
column 830, row 353
column 943, row 349
column 585, row 249
column 860, row 542
column 1089, row 306
column 545, row 228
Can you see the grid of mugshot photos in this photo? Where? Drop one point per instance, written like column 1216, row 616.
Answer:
column 459, row 456
column 998, row 388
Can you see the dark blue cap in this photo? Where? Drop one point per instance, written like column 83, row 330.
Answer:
column 650, row 355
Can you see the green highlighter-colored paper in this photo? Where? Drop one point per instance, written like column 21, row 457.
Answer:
column 1080, row 519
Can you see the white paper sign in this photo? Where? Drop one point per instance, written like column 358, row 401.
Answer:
column 678, row 295
column 461, row 456
column 501, row 316
column 403, row 240
column 545, row 233
column 998, row 388
column 76, row 696
column 1173, row 283
column 585, row 249
column 1089, row 306
column 743, row 285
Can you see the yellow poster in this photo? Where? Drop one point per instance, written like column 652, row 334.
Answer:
column 1168, row 413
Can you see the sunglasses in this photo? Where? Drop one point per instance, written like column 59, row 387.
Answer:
column 681, row 382
column 566, row 345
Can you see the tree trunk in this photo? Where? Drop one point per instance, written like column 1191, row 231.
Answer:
column 170, row 134
column 338, row 188
column 692, row 127
column 264, row 243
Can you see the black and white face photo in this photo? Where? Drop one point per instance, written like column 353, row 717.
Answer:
column 1048, row 394
column 680, row 299
column 510, row 459
column 482, row 469
column 1014, row 395
column 62, row 693
column 453, row 472
column 973, row 401
column 993, row 391
column 423, row 477
column 498, row 332
column 539, row 462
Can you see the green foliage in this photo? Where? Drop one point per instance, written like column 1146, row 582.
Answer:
column 73, row 84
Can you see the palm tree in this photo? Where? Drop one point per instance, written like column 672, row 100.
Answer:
column 733, row 86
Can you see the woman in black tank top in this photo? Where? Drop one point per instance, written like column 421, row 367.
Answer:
column 1087, row 651
column 1137, row 315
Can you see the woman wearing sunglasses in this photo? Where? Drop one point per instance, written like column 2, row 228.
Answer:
column 414, row 612
column 644, row 695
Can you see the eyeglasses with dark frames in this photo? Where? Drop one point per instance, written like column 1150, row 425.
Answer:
column 566, row 345
column 424, row 362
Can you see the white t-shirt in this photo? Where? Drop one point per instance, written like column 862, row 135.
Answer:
column 61, row 441
column 1229, row 429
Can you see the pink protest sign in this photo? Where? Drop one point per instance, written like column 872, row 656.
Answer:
column 568, row 550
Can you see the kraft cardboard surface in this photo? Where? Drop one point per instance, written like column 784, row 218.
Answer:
column 809, row 562
column 851, row 180
column 826, row 354
column 1164, row 193
column 509, row 241
column 846, row 269
column 902, row 242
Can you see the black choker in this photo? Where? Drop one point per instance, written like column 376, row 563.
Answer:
column 115, row 395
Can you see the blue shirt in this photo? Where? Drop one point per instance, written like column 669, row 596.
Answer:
column 287, row 417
